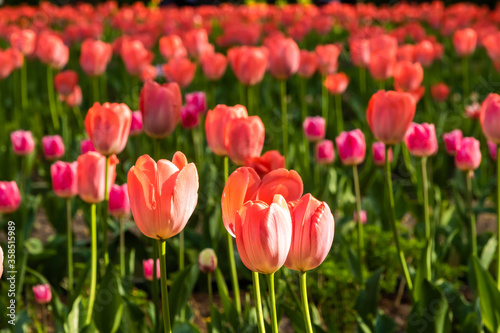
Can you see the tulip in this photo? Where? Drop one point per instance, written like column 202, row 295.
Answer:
column 74, row 99
column 473, row 111
column 490, row 117
column 492, row 149
column 378, row 151
column 86, row 146
column 95, row 56
column 382, row 65
column 244, row 138
column 189, row 116
column 421, row 140
column 314, row 128
column 196, row 42
column 336, row 83
column 284, row 57
column 352, row 147
column 363, row 217
column 180, row 70
column 64, row 179
column 91, row 174
column 215, row 125
column 43, row 293
column 360, row 52
column 160, row 106
column 1, row 262
column 147, row 267
column 327, row 58
column 10, row 199
column 198, row 101
column 6, row 64
column 213, row 65
column 119, row 204
column 136, row 123
column 452, row 141
column 22, row 142
column 23, row 40
column 207, row 261
column 468, row 156
column 135, row 56
column 265, row 254
column 51, row 50
column 162, row 196
column 149, row 72
column 108, row 127
column 408, row 76
column 266, row 163
column 325, row 153
column 313, row 228
column 248, row 63
column 465, row 41
column 53, row 147
column 172, row 47
column 424, row 53
column 65, row 82
column 281, row 181
column 308, row 64
column 440, row 92
column 406, row 53
column 389, row 115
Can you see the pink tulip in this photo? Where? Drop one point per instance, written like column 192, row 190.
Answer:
column 490, row 117
column 468, row 157
column 378, row 151
column 198, row 101
column 64, row 179
column 91, row 174
column 136, row 124
column 473, row 111
column 452, row 141
column 10, row 199
column 86, row 145
column 314, row 128
column 352, row 147
column 492, row 148
column 325, row 153
column 43, row 293
column 95, row 56
column 421, row 139
column 244, row 138
column 119, row 204
column 53, row 147
column 147, row 266
column 189, row 116
column 363, row 216
column 22, row 142
column 1, row 262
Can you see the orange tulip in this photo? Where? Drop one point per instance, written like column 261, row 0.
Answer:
column 95, row 56
column 91, row 168
column 390, row 114
column 215, row 125
column 244, row 138
column 108, row 126
column 163, row 195
column 213, row 65
column 180, row 70
column 313, row 228
column 281, row 181
column 249, row 64
column 264, row 234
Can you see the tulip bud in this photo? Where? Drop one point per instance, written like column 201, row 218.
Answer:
column 22, row 142
column 207, row 261
column 363, row 216
column 314, row 128
column 147, row 267
column 53, row 147
column 64, row 179
column 10, row 199
column 468, row 157
column 86, row 146
column 43, row 293
column 378, row 150
column 136, row 124
column 351, row 146
column 325, row 153
column 119, row 204
column 421, row 139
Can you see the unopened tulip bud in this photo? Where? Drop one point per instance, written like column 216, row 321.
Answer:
column 207, row 261
column 43, row 294
column 147, row 266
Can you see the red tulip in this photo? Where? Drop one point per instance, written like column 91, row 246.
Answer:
column 281, row 181
column 160, row 106
column 352, row 147
column 382, row 65
column 313, row 229
column 421, row 139
column 65, row 82
column 213, row 65
column 135, row 56
column 119, row 203
column 468, row 157
column 408, row 76
column 424, row 53
column 360, row 52
column 22, row 142
column 465, row 41
column 10, row 199
column 51, row 50
column 53, row 147
column 91, row 173
column 406, row 53
column 336, row 83
column 324, row 152
column 180, row 70
column 490, row 117
column 108, row 127
column 308, row 64
column 43, row 294
column 327, row 58
column 389, row 115
column 314, row 128
column 284, row 57
column 215, row 125
column 163, row 195
column 196, row 42
column 244, row 138
column 440, row 92
column 64, row 179
column 74, row 99
column 248, row 63
column 189, row 116
column 23, row 40
column 172, row 47
column 267, row 253
column 266, row 163
column 6, row 64
column 378, row 151
column 95, row 56
column 452, row 141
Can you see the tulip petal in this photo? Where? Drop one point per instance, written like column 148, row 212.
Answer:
column 280, row 181
column 142, row 201
column 179, row 160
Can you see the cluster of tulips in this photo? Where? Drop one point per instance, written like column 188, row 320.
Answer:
column 169, row 65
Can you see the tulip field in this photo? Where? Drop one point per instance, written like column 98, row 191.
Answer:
column 249, row 168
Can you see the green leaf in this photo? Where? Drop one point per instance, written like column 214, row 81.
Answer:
column 72, row 325
column 420, row 276
column 367, row 301
column 22, row 322
column 489, row 297
column 353, row 262
column 488, row 252
column 133, row 318
column 181, row 289
column 185, row 328
column 229, row 308
column 108, row 308
column 385, row 324
column 34, row 246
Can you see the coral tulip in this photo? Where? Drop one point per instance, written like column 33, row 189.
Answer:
column 64, row 179
column 180, row 70
column 465, row 41
column 381, row 65
column 95, row 56
column 215, row 125
column 51, row 50
column 10, row 199
column 281, row 181
column 266, row 163
column 360, row 52
column 22, row 142
column 23, row 40
column 53, row 147
column 172, row 47
column 336, row 83
column 284, row 57
column 424, row 53
column 196, row 42
column 244, row 138
column 408, row 76
column 248, row 63
column 135, row 56
column 308, row 64
column 468, row 156
column 74, row 99
column 351, row 146
column 6, row 64
column 440, row 92
column 213, row 65
column 327, row 58
column 91, row 173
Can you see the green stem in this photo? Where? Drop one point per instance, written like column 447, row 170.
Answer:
column 156, row 149
column 105, row 219
column 250, row 101
column 305, row 303
column 70, row 246
column 498, row 216
column 52, row 102
column 472, row 216
column 358, row 222
column 154, row 288
column 258, row 302
column 95, row 88
column 104, row 86
column 465, row 82
column 272, row 295
column 324, row 101
column 303, row 105
column 122, row 248
column 242, row 93
column 24, row 86
column 93, row 272
column 338, row 110
column 401, row 255
column 78, row 116
column 195, row 132
column 284, row 119
column 210, row 293
column 428, row 233
column 164, row 291
column 381, row 85
column 362, row 80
